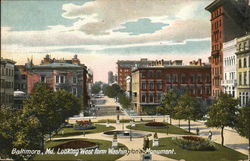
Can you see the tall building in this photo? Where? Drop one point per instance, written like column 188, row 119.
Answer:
column 69, row 75
column 229, row 82
column 243, row 69
column 110, row 77
column 7, row 82
column 229, row 19
column 150, row 82
column 125, row 66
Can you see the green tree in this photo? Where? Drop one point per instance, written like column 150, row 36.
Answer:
column 188, row 108
column 96, row 88
column 124, row 100
column 243, row 123
column 169, row 101
column 8, row 129
column 223, row 113
column 41, row 105
column 113, row 91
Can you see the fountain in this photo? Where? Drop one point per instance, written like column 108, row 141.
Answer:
column 126, row 134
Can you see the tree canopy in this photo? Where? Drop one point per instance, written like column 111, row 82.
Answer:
column 223, row 113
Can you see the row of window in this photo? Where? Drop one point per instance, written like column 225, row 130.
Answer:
column 216, row 13
column 7, row 72
column 242, row 46
column 60, row 79
column 175, row 77
column 229, row 61
column 229, row 76
column 150, row 97
column 244, row 98
column 243, row 78
column 73, row 90
column 6, row 84
column 243, row 62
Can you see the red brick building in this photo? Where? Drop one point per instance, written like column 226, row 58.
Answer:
column 69, row 75
column 149, row 83
column 125, row 66
column 228, row 21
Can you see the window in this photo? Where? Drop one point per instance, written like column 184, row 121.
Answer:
column 143, row 85
column 74, row 91
column 151, row 74
column 43, row 79
column 143, row 74
column 245, row 62
column 207, row 90
column 168, row 78
column 240, row 78
column 183, row 78
column 74, row 80
column 245, row 78
column 200, row 90
column 159, row 97
column 191, row 78
column 208, row 78
column 57, row 79
column 175, row 78
column 158, row 74
column 239, row 63
column 23, row 77
column 143, row 98
column 151, row 85
column 60, row 79
column 199, row 78
column 151, row 98
column 159, row 85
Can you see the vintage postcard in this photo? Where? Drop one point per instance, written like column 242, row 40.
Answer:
column 125, row 80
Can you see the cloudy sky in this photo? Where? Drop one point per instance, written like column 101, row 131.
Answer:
column 104, row 31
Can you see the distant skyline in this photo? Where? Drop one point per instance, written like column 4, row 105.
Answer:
column 101, row 32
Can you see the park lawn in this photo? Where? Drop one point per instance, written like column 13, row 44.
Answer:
column 220, row 154
column 103, row 144
column 73, row 132
column 171, row 130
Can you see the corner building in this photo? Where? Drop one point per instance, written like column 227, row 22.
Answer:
column 150, row 83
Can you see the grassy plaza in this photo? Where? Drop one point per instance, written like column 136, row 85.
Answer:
column 103, row 145
column 73, row 132
column 171, row 130
column 221, row 153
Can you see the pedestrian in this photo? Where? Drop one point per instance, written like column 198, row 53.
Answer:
column 210, row 135
column 197, row 131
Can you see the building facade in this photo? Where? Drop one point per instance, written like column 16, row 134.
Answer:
column 124, row 68
column 7, row 82
column 20, row 78
column 243, row 69
column 69, row 75
column 110, row 77
column 229, row 19
column 149, row 83
column 229, row 82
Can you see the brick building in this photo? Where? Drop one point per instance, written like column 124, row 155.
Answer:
column 150, row 82
column 69, row 75
column 7, row 82
column 229, row 19
column 124, row 68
